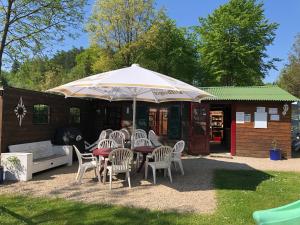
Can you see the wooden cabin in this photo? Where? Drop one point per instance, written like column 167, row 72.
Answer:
column 241, row 121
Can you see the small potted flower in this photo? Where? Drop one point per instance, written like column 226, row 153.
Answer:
column 275, row 152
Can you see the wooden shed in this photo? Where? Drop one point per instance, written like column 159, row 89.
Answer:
column 239, row 121
column 245, row 120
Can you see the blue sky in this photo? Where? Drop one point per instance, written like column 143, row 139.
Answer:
column 187, row 12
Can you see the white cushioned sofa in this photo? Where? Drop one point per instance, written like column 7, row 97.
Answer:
column 25, row 159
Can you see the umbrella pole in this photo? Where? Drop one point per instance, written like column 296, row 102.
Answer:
column 133, row 120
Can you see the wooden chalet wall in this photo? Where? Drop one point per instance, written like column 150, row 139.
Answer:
column 12, row 133
column 256, row 142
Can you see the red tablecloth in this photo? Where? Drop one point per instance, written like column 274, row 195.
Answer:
column 144, row 149
column 102, row 152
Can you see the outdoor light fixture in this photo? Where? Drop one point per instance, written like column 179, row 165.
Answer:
column 285, row 109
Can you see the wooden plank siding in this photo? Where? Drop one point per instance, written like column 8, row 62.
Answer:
column 254, row 142
column 12, row 133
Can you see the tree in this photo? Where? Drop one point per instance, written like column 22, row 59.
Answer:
column 168, row 49
column 289, row 78
column 41, row 73
column 233, row 41
column 116, row 24
column 27, row 25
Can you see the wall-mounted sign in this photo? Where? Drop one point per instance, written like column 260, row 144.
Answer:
column 273, row 110
column 20, row 111
column 274, row 117
column 240, row 117
column 260, row 120
column 261, row 109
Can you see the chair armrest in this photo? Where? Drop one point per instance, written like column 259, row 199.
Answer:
column 17, row 165
column 176, row 154
column 64, row 150
column 89, row 146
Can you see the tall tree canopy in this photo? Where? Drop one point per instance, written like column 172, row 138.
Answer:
column 116, row 24
column 27, row 25
column 233, row 41
column 168, row 49
column 41, row 73
column 289, row 78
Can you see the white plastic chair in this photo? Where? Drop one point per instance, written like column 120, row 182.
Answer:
column 126, row 133
column 141, row 132
column 84, row 166
column 106, row 143
column 108, row 132
column 140, row 142
column 162, row 160
column 120, row 163
column 89, row 147
column 154, row 138
column 176, row 154
column 118, row 137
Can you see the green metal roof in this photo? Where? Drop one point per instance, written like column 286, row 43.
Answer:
column 252, row 93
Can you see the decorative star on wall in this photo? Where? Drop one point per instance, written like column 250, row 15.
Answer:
column 20, row 111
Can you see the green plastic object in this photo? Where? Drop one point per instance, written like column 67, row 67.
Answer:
column 284, row 215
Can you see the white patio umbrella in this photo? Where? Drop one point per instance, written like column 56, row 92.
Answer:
column 132, row 83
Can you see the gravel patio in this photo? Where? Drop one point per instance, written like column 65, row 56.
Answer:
column 193, row 192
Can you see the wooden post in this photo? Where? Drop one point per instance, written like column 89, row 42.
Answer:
column 233, row 131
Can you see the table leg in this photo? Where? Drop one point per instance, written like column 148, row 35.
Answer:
column 143, row 162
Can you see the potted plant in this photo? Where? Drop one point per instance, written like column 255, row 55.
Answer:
column 275, row 152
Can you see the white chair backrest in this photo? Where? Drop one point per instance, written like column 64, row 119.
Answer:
column 153, row 138
column 120, row 159
column 179, row 146
column 102, row 135
column 118, row 137
column 162, row 153
column 108, row 132
column 141, row 130
column 107, row 143
column 142, row 142
column 139, row 134
column 78, row 155
column 126, row 133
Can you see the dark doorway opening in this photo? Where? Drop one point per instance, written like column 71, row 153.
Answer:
column 220, row 128
column 158, row 120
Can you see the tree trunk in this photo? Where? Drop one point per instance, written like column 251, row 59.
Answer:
column 4, row 35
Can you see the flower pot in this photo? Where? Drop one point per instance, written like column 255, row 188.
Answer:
column 275, row 154
column 1, row 174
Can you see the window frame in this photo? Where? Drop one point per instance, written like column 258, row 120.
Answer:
column 34, row 118
column 71, row 120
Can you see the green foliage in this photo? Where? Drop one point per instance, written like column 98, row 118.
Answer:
column 168, row 49
column 289, row 78
column 238, row 193
column 233, row 41
column 41, row 73
column 27, row 26
column 115, row 24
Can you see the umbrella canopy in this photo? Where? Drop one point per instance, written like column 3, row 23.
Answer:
column 132, row 83
column 124, row 84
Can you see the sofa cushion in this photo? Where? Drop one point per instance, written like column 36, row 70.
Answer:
column 39, row 149
column 49, row 157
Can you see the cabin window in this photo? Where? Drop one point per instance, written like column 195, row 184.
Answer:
column 41, row 114
column 74, row 115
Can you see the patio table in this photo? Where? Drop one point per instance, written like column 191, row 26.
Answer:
column 145, row 150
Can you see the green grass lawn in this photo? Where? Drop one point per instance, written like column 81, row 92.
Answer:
column 239, row 193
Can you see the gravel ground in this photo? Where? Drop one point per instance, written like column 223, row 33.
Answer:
column 193, row 192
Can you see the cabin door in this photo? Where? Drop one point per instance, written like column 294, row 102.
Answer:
column 199, row 129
